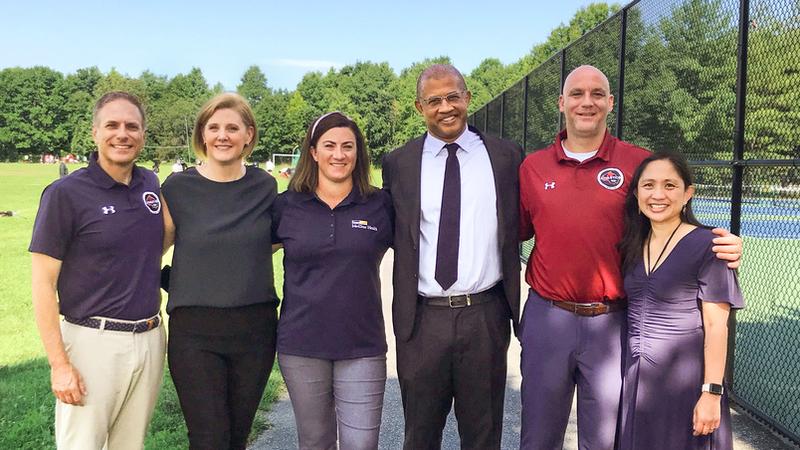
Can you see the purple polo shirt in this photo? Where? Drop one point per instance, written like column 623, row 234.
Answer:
column 108, row 237
column 332, row 291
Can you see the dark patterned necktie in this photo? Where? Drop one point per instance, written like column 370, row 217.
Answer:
column 449, row 221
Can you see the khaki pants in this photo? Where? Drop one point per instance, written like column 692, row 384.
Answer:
column 122, row 373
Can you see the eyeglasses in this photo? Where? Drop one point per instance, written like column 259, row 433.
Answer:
column 452, row 98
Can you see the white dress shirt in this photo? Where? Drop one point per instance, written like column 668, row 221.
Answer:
column 478, row 247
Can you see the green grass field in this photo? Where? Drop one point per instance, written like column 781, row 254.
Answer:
column 26, row 404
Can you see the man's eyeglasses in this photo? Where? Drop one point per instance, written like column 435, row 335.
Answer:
column 452, row 98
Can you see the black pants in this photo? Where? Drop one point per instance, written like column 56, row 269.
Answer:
column 455, row 357
column 220, row 360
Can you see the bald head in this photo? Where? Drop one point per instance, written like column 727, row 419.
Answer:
column 586, row 102
column 584, row 71
column 439, row 71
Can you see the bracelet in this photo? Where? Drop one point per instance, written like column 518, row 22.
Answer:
column 712, row 388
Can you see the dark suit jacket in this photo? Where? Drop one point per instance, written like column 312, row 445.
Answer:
column 401, row 177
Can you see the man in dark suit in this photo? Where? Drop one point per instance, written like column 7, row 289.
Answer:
column 456, row 269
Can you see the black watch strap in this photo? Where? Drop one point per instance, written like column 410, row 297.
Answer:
column 713, row 388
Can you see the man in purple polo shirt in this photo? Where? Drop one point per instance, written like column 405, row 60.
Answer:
column 96, row 254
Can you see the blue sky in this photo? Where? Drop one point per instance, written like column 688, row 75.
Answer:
column 285, row 38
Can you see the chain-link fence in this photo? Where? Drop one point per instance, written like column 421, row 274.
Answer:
column 718, row 80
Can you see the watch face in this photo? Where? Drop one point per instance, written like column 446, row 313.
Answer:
column 713, row 388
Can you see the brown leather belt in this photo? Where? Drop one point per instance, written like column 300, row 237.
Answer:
column 590, row 309
column 462, row 301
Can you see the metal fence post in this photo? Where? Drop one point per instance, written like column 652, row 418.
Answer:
column 621, row 81
column 525, row 116
column 503, row 115
column 561, row 89
column 738, row 157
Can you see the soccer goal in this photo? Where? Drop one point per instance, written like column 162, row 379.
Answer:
column 283, row 160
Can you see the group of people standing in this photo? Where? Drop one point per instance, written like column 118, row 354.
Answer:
column 624, row 281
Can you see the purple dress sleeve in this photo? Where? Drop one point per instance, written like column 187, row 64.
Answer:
column 718, row 283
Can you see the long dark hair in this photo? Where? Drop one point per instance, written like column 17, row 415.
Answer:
column 637, row 225
column 306, row 176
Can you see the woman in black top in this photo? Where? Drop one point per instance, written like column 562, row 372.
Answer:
column 222, row 302
column 335, row 229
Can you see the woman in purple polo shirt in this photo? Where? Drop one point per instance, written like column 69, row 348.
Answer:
column 335, row 229
column 679, row 298
column 222, row 303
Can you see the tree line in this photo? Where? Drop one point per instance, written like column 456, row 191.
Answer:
column 44, row 111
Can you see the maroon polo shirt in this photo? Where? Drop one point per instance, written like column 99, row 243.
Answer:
column 332, row 293
column 108, row 237
column 576, row 210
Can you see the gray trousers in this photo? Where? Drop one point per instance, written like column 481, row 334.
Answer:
column 561, row 350
column 344, row 395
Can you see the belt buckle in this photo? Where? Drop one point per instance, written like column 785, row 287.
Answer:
column 151, row 323
column 468, row 301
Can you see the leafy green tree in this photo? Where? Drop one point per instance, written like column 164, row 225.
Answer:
column 253, row 86
column 680, row 82
column 77, row 89
column 312, row 89
column 298, row 115
column 367, row 98
column 773, row 100
column 115, row 81
column 32, row 118
column 486, row 82
column 273, row 125
column 584, row 20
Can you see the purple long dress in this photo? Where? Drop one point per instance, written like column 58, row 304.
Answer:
column 664, row 359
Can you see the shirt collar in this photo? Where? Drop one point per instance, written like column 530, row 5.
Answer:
column 353, row 197
column 602, row 153
column 467, row 141
column 104, row 180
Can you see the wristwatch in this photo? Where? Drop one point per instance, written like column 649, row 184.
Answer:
column 712, row 388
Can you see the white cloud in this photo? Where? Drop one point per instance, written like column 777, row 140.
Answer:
column 305, row 63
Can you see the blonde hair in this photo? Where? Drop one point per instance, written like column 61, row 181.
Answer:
column 227, row 100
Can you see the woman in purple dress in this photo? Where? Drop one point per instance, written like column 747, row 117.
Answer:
column 679, row 297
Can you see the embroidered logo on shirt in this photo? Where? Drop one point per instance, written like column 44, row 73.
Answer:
column 549, row 185
column 610, row 178
column 108, row 210
column 362, row 224
column 152, row 202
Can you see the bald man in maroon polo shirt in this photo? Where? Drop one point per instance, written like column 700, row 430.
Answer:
column 573, row 327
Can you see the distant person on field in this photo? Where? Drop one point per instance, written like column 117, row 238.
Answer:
column 270, row 166
column 96, row 257
column 62, row 169
column 177, row 166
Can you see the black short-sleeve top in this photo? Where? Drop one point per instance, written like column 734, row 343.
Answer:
column 223, row 239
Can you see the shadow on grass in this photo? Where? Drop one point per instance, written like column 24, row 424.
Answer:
column 26, row 410
column 767, row 367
